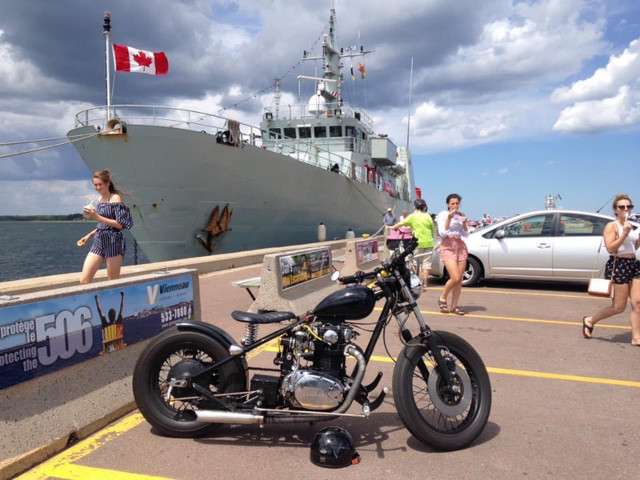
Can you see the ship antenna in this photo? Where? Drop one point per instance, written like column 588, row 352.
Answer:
column 410, row 102
column 107, row 36
column 276, row 96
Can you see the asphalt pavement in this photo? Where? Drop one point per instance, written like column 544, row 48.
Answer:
column 563, row 407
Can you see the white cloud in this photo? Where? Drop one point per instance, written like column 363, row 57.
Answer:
column 621, row 70
column 61, row 197
column 595, row 115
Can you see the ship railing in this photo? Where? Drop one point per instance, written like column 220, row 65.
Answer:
column 324, row 153
column 302, row 111
column 166, row 117
column 313, row 152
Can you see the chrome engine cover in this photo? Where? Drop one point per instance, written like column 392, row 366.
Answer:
column 312, row 390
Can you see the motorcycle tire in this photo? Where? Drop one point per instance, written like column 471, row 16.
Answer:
column 432, row 413
column 180, row 353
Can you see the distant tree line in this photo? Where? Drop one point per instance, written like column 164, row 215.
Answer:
column 40, row 218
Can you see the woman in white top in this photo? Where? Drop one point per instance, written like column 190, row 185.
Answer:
column 621, row 242
column 452, row 226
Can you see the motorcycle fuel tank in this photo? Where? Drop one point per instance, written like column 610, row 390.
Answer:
column 350, row 303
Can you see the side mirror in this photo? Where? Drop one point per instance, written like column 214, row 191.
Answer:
column 500, row 234
column 335, row 276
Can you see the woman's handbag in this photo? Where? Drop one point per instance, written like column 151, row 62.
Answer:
column 601, row 287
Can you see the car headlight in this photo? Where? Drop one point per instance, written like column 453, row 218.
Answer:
column 415, row 284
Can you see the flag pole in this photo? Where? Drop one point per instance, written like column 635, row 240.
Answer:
column 410, row 102
column 107, row 37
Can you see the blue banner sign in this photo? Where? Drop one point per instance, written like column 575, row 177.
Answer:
column 43, row 336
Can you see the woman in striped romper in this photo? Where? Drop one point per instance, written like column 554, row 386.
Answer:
column 108, row 241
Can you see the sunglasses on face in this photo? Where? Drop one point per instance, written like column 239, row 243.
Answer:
column 625, row 207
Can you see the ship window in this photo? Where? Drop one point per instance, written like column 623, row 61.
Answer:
column 359, row 134
column 335, row 131
column 290, row 132
column 304, row 132
column 350, row 131
column 320, row 132
column 275, row 133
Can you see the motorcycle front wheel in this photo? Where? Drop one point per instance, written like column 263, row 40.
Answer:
column 181, row 355
column 440, row 416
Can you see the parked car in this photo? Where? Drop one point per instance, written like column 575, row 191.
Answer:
column 549, row 245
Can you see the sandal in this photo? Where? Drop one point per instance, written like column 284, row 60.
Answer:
column 457, row 311
column 442, row 305
column 586, row 328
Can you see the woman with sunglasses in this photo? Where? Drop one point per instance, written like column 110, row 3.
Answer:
column 621, row 241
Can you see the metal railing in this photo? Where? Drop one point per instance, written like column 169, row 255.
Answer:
column 315, row 152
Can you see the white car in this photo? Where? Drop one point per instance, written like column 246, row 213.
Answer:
column 549, row 245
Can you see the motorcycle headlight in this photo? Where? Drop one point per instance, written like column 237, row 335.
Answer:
column 415, row 284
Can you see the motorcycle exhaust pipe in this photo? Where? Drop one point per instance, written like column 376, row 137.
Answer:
column 216, row 416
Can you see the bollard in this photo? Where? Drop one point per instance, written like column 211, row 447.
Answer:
column 322, row 232
column 350, row 234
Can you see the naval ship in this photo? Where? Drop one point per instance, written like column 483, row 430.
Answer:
column 201, row 184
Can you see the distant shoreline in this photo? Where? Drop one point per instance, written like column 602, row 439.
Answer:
column 74, row 217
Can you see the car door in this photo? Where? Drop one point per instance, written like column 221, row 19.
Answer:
column 575, row 251
column 525, row 248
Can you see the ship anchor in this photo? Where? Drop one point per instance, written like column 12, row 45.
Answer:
column 217, row 225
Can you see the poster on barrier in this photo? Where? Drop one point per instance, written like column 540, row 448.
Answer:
column 42, row 336
column 367, row 251
column 302, row 267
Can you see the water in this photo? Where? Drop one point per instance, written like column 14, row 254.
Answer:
column 37, row 249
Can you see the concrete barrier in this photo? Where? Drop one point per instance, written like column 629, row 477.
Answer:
column 205, row 264
column 78, row 390
column 294, row 281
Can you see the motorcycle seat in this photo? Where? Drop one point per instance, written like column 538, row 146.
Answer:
column 268, row 317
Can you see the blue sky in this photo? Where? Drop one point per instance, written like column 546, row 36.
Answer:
column 512, row 100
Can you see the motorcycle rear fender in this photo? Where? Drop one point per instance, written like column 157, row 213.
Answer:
column 215, row 332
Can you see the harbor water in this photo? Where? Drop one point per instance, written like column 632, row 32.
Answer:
column 37, row 249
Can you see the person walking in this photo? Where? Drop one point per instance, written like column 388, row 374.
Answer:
column 424, row 230
column 389, row 220
column 452, row 226
column 108, row 242
column 621, row 241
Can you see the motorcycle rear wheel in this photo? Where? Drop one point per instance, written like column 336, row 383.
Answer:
column 181, row 354
column 428, row 409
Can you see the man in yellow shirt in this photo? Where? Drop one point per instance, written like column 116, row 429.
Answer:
column 424, row 230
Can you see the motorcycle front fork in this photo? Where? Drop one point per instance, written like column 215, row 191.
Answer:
column 445, row 367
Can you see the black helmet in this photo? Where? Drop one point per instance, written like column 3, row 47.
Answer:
column 332, row 447
column 420, row 204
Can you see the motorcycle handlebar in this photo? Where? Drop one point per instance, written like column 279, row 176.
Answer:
column 357, row 277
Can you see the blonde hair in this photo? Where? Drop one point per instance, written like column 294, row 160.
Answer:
column 620, row 196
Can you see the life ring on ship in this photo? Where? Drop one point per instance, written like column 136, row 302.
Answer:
column 115, row 126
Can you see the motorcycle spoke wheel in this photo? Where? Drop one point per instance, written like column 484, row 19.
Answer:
column 169, row 404
column 436, row 414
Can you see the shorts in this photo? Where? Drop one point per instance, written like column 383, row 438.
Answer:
column 109, row 243
column 626, row 270
column 453, row 248
column 425, row 260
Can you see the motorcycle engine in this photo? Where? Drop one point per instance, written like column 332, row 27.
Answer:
column 320, row 383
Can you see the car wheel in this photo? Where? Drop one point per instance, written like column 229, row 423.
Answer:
column 472, row 274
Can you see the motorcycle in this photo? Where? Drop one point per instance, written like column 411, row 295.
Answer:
column 194, row 377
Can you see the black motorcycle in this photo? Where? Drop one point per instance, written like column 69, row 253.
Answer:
column 194, row 377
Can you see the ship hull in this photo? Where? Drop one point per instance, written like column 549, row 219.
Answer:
column 190, row 195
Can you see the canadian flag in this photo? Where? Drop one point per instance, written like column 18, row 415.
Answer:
column 129, row 59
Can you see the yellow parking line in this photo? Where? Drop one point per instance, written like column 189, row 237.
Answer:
column 82, row 449
column 79, row 472
column 582, row 296
column 525, row 319
column 530, row 373
column 558, row 376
